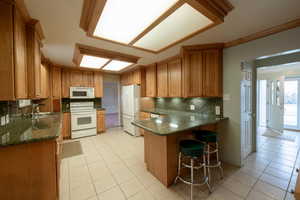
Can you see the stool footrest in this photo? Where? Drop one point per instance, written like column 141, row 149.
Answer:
column 205, row 181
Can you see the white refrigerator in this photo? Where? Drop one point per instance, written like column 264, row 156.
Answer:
column 130, row 108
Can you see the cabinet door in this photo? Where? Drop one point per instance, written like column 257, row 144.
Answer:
column 21, row 90
column 56, row 82
column 174, row 77
column 66, row 127
column 136, row 77
column 65, row 86
column 87, row 79
column 151, row 81
column 37, row 68
column 98, row 84
column 76, row 78
column 213, row 73
column 162, row 80
column 6, row 49
column 100, row 121
column 45, row 81
column 196, row 74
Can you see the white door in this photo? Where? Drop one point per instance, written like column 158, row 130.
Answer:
column 276, row 105
column 247, row 111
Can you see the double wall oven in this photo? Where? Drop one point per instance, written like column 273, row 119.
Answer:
column 83, row 114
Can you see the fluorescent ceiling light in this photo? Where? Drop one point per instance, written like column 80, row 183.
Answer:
column 181, row 23
column 116, row 65
column 93, row 62
column 122, row 20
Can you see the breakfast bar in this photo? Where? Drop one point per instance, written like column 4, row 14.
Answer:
column 162, row 136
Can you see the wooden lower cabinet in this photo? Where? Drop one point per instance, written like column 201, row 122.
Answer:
column 66, row 127
column 144, row 116
column 29, row 171
column 101, row 121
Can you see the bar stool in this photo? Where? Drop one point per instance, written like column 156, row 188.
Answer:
column 211, row 140
column 192, row 150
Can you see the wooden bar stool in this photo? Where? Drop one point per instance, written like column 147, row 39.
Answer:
column 211, row 140
column 194, row 151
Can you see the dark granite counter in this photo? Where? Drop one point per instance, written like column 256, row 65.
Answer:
column 174, row 121
column 22, row 131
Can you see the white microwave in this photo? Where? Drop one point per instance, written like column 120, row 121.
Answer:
column 82, row 93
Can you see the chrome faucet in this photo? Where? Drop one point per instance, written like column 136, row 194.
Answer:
column 35, row 111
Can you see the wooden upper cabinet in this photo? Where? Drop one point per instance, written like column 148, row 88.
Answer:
column 33, row 62
column 162, row 79
column 21, row 87
column 98, row 84
column 174, row 78
column 196, row 73
column 213, row 72
column 151, row 80
column 56, row 82
column 202, row 70
column 45, row 81
column 76, row 78
column 65, row 83
column 87, row 79
column 136, row 77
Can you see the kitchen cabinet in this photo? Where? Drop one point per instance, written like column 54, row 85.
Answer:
column 144, row 116
column 213, row 73
column 56, row 82
column 66, row 126
column 87, row 79
column 76, row 78
column 150, row 72
column 131, row 78
column 13, row 50
column 101, row 121
column 33, row 61
column 98, row 84
column 174, row 78
column 202, row 70
column 65, row 83
column 162, row 79
column 45, row 81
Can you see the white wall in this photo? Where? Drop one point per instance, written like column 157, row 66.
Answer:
column 231, row 136
column 111, row 93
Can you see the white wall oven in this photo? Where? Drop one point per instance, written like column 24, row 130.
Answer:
column 82, row 93
column 83, row 119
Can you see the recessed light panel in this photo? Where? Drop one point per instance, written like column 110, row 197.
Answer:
column 181, row 23
column 123, row 20
column 93, row 62
column 116, row 65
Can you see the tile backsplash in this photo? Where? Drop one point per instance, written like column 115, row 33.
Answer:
column 201, row 105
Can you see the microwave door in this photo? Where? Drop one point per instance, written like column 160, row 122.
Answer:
column 79, row 94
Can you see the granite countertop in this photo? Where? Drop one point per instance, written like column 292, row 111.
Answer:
column 174, row 121
column 22, row 131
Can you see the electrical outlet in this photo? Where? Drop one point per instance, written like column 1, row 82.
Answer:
column 218, row 110
column 192, row 107
column 192, row 118
column 3, row 120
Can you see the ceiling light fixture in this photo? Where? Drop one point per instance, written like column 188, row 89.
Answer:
column 116, row 65
column 122, row 20
column 93, row 62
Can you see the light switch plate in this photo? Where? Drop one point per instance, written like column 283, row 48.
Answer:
column 7, row 119
column 192, row 107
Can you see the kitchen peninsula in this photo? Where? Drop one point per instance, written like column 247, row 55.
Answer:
column 162, row 136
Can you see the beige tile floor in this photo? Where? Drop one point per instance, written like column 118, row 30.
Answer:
column 112, row 168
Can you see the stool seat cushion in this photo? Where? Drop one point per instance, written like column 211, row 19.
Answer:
column 191, row 148
column 206, row 136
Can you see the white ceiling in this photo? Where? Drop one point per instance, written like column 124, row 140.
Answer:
column 60, row 22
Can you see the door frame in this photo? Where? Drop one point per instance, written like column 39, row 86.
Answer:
column 298, row 109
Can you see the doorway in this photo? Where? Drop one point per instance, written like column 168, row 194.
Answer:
column 291, row 103
column 111, row 103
